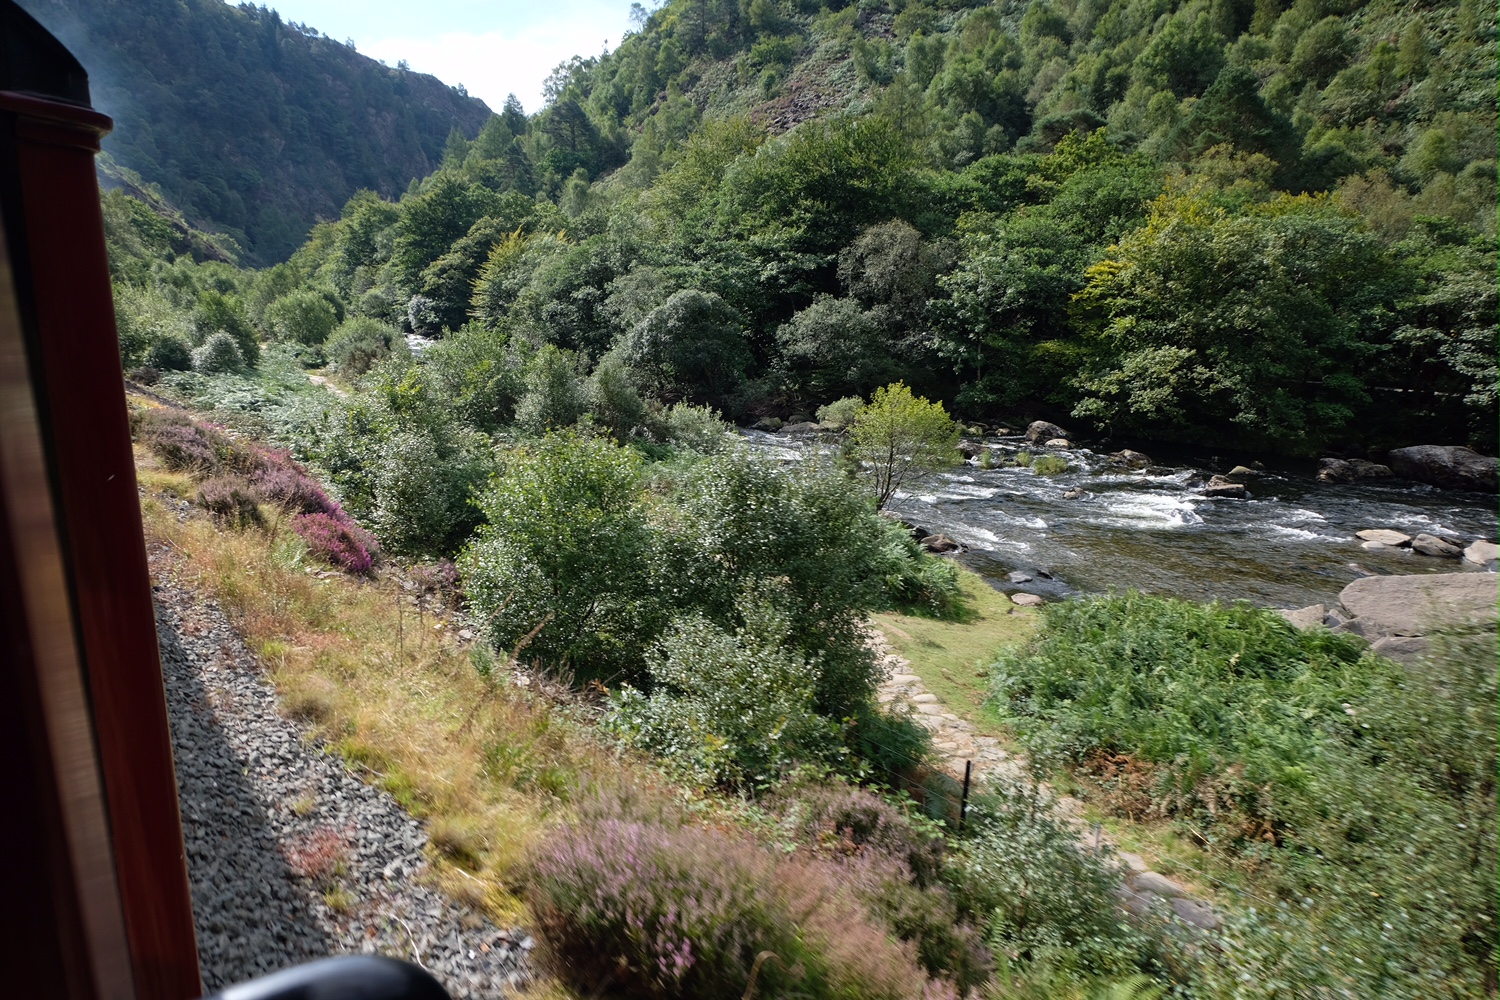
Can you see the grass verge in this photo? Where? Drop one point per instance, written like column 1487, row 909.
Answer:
column 489, row 765
column 950, row 656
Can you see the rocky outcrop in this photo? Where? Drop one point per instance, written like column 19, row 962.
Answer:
column 1481, row 552
column 1396, row 613
column 1417, row 605
column 1125, row 458
column 1224, row 488
column 1432, row 545
column 1449, row 466
column 940, row 543
column 1339, row 470
column 1041, row 430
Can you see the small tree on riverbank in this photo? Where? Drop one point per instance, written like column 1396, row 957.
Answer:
column 897, row 439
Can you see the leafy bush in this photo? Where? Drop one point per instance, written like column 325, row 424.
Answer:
column 691, row 347
column 219, row 354
column 1226, row 702
column 648, row 910
column 1024, row 459
column 281, row 481
column 613, row 401
column 338, row 542
column 360, row 342
column 1021, row 872
column 479, row 376
column 169, row 353
column 231, row 500
column 554, row 397
column 566, row 556
column 422, row 484
column 217, row 312
column 916, row 580
column 302, row 317
column 898, row 438
column 731, row 709
column 697, row 428
column 839, row 414
column 185, row 445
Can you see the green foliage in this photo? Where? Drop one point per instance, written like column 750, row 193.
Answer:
column 839, row 414
column 832, row 348
column 1022, row 874
column 697, row 428
column 479, row 374
column 301, row 317
column 563, row 566
column 732, row 709
column 553, row 396
column 218, row 354
column 1049, row 465
column 690, row 348
column 613, row 402
column 171, row 353
column 898, row 438
column 1193, row 689
column 359, row 343
column 216, row 312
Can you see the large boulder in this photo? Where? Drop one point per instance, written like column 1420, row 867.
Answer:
column 1481, row 552
column 1129, row 459
column 1339, row 470
column 1449, row 466
column 1041, row 430
column 1417, row 605
column 1384, row 536
column 1224, row 488
column 1432, row 545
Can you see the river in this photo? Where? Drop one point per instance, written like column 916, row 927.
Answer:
column 1290, row 545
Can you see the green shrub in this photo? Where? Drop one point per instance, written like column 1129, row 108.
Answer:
column 1049, row 465
column 696, row 428
column 839, row 414
column 217, row 312
column 554, row 398
column 613, row 401
column 218, row 355
column 691, row 347
column 729, row 709
column 1021, row 873
column 1024, row 459
column 478, row 374
column 170, row 354
column 422, row 484
column 915, row 580
column 360, row 342
column 1188, row 689
column 301, row 317
column 565, row 560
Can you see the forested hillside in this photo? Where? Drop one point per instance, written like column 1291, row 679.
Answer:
column 248, row 124
column 1222, row 223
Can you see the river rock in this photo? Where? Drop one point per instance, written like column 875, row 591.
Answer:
column 1305, row 618
column 1432, row 545
column 1339, row 470
column 1241, row 471
column 1218, row 486
column 1020, row 576
column 1027, row 600
column 1058, row 442
column 1385, row 536
column 940, row 543
column 1416, row 605
column 1129, row 459
column 1196, row 913
column 969, row 449
column 800, row 426
column 1481, row 552
column 1449, row 466
column 1041, row 430
column 767, row 424
column 1076, row 493
column 1406, row 649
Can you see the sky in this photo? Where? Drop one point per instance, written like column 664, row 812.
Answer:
column 492, row 47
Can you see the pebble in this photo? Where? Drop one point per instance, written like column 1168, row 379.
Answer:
column 252, row 788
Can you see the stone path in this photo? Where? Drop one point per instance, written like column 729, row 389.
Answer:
column 290, row 857
column 956, row 741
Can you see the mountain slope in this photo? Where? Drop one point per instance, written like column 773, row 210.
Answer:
column 249, row 124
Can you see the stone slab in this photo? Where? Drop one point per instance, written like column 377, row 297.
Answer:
column 1480, row 552
column 1305, row 618
column 1385, row 536
column 1415, row 605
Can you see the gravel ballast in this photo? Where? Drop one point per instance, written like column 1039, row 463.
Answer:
column 277, row 830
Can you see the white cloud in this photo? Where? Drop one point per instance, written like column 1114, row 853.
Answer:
column 492, row 64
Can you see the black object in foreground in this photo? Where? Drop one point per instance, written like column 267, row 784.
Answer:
column 347, row 977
